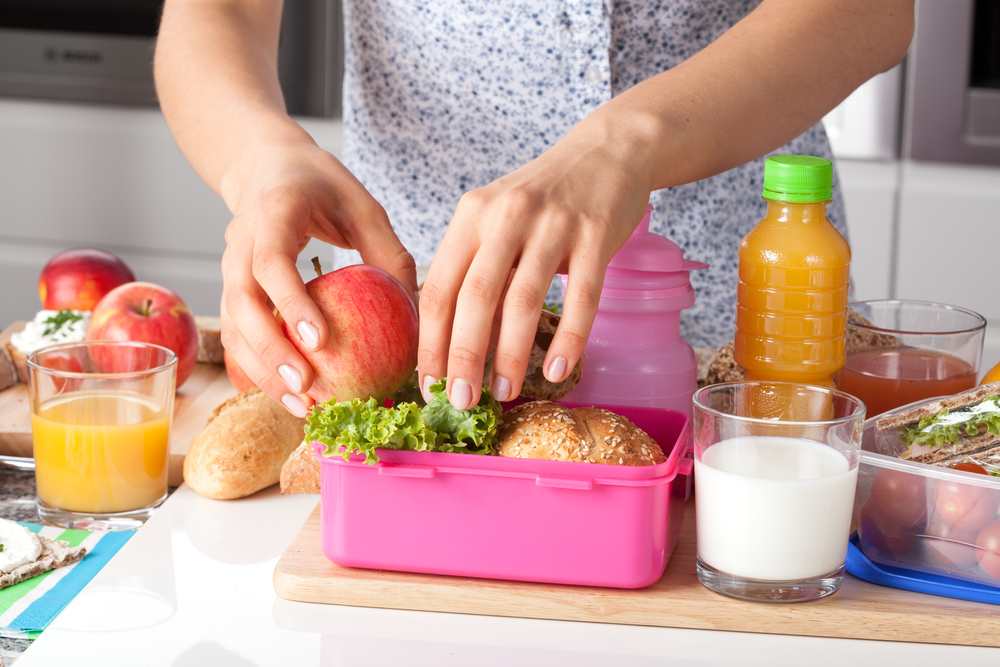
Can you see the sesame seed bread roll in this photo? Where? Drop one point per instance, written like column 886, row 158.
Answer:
column 546, row 430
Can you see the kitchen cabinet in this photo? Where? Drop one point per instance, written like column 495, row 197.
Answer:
column 926, row 231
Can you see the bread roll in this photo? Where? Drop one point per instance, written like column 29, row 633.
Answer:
column 546, row 430
column 301, row 471
column 209, row 339
column 242, row 448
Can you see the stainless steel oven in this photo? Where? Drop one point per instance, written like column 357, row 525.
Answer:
column 101, row 51
column 952, row 106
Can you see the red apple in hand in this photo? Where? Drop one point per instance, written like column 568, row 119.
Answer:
column 148, row 313
column 79, row 278
column 372, row 347
column 241, row 381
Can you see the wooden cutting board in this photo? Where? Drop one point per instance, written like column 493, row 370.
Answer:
column 859, row 610
column 206, row 388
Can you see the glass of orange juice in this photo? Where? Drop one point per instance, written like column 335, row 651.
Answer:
column 100, row 420
column 910, row 351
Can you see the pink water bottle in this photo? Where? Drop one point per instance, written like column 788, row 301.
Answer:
column 635, row 353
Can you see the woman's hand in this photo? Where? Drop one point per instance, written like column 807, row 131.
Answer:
column 298, row 192
column 568, row 211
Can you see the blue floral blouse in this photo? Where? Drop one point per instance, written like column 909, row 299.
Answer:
column 444, row 96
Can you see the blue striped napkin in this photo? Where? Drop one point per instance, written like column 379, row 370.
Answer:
column 27, row 608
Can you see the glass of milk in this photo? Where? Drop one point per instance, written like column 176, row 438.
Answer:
column 773, row 498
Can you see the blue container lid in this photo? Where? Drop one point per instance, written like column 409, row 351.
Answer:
column 921, row 582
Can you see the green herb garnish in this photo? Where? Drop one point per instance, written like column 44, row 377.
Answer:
column 553, row 308
column 59, row 320
column 1, row 547
column 347, row 427
column 947, row 427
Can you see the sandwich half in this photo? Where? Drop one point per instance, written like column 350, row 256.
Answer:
column 960, row 428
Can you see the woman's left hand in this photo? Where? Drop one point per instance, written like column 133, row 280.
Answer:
column 568, row 211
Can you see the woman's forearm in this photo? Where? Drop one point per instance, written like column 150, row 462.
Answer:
column 216, row 77
column 761, row 84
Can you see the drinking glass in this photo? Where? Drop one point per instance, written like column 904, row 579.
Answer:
column 100, row 422
column 913, row 350
column 773, row 498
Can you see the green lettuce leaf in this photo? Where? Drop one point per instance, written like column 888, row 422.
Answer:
column 357, row 426
column 473, row 431
column 948, row 427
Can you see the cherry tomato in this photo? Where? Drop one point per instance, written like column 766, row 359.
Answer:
column 876, row 531
column 988, row 553
column 899, row 497
column 948, row 545
column 970, row 467
column 965, row 506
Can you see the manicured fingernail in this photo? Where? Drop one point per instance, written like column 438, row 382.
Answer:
column 501, row 389
column 461, row 394
column 425, row 388
column 309, row 334
column 294, row 405
column 557, row 370
column 291, row 377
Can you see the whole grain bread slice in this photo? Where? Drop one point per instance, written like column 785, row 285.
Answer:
column 54, row 554
column 971, row 397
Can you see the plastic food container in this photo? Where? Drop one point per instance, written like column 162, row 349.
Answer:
column 519, row 519
column 925, row 518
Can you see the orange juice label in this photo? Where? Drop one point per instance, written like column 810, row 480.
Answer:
column 102, row 452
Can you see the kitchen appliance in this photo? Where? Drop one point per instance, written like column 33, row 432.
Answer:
column 635, row 353
column 102, row 51
column 508, row 518
column 952, row 98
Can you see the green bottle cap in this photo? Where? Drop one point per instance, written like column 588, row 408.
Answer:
column 798, row 178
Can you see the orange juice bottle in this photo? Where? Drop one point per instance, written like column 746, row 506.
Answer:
column 793, row 281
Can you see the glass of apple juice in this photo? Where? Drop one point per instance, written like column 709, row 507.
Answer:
column 100, row 421
column 910, row 351
column 774, row 496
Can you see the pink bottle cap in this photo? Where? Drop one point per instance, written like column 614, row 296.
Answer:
column 646, row 251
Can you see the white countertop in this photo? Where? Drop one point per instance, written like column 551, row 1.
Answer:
column 193, row 588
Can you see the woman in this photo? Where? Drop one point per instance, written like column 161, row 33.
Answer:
column 540, row 132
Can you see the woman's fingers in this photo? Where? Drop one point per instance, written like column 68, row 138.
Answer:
column 257, row 265
column 583, row 295
column 522, row 307
column 475, row 311
column 378, row 244
column 258, row 371
column 437, row 309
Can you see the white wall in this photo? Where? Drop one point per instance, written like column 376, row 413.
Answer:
column 75, row 175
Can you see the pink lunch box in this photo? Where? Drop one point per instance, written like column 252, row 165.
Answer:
column 518, row 519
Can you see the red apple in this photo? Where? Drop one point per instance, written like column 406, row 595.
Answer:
column 372, row 348
column 80, row 277
column 150, row 314
column 241, row 381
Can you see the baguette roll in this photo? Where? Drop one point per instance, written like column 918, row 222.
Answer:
column 243, row 447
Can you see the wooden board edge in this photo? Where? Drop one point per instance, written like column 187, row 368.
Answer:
column 394, row 590
column 394, row 595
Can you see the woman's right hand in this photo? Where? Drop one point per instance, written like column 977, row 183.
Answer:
column 290, row 194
